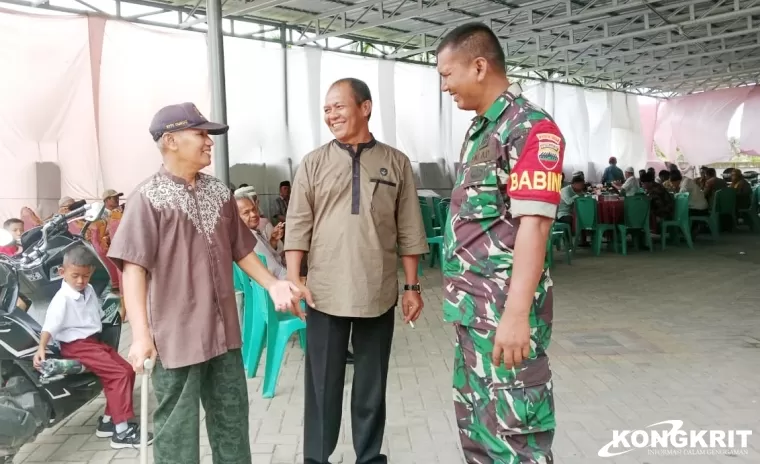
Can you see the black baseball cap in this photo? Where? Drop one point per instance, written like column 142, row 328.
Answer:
column 175, row 118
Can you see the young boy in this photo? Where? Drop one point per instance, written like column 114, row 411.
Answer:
column 74, row 320
column 16, row 228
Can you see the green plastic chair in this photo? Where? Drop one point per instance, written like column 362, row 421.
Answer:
column 561, row 239
column 279, row 327
column 567, row 232
column 254, row 323
column 442, row 212
column 725, row 204
column 636, row 214
column 434, row 237
column 586, row 218
column 751, row 213
column 439, row 223
column 437, row 219
column 712, row 219
column 680, row 220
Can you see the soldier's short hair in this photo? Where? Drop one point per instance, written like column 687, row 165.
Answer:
column 477, row 40
column 359, row 88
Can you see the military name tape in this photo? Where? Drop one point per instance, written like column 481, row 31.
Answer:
column 546, row 136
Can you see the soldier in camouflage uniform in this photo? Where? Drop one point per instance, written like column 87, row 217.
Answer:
column 497, row 289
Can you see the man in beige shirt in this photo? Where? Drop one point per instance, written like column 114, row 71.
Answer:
column 176, row 245
column 354, row 209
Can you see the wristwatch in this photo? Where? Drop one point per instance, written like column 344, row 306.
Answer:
column 412, row 288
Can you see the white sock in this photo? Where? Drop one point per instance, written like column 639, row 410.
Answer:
column 106, row 419
column 122, row 427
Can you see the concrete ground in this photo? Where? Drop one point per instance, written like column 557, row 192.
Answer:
column 638, row 339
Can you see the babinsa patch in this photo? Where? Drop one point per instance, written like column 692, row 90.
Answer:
column 548, row 150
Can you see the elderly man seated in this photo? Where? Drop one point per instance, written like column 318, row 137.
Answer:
column 631, row 185
column 265, row 225
column 662, row 204
column 266, row 246
column 567, row 197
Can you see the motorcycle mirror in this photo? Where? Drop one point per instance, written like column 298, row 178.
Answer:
column 77, row 205
column 6, row 238
column 94, row 212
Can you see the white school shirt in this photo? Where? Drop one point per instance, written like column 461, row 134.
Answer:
column 73, row 315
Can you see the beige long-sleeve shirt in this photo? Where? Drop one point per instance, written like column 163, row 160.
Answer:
column 355, row 212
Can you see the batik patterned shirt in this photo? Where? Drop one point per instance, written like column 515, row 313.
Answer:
column 187, row 238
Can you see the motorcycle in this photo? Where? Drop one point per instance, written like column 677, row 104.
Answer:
column 29, row 401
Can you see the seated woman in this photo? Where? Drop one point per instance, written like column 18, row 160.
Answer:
column 266, row 246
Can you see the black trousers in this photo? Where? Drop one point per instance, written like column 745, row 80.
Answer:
column 327, row 343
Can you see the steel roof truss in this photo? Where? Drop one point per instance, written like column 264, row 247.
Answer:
column 585, row 18
column 246, row 8
column 657, row 62
column 420, row 9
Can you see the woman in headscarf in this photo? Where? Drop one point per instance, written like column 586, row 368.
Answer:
column 30, row 218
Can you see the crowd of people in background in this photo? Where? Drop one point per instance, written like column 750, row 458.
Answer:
column 660, row 188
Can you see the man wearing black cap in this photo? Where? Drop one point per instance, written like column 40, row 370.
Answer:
column 177, row 244
column 280, row 207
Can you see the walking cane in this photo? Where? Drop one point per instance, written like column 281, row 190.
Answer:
column 148, row 367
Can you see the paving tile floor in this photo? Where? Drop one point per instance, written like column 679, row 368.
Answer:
column 639, row 339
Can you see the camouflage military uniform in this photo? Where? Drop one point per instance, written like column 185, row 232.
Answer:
column 511, row 166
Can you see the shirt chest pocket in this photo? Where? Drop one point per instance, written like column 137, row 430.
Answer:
column 481, row 191
column 384, row 195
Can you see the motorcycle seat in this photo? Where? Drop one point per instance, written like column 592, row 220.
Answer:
column 22, row 316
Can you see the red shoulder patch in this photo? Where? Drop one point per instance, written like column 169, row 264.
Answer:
column 537, row 175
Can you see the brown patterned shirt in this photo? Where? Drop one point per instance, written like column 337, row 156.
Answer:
column 187, row 238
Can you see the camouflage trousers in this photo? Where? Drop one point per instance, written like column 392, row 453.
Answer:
column 499, row 425
column 221, row 386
